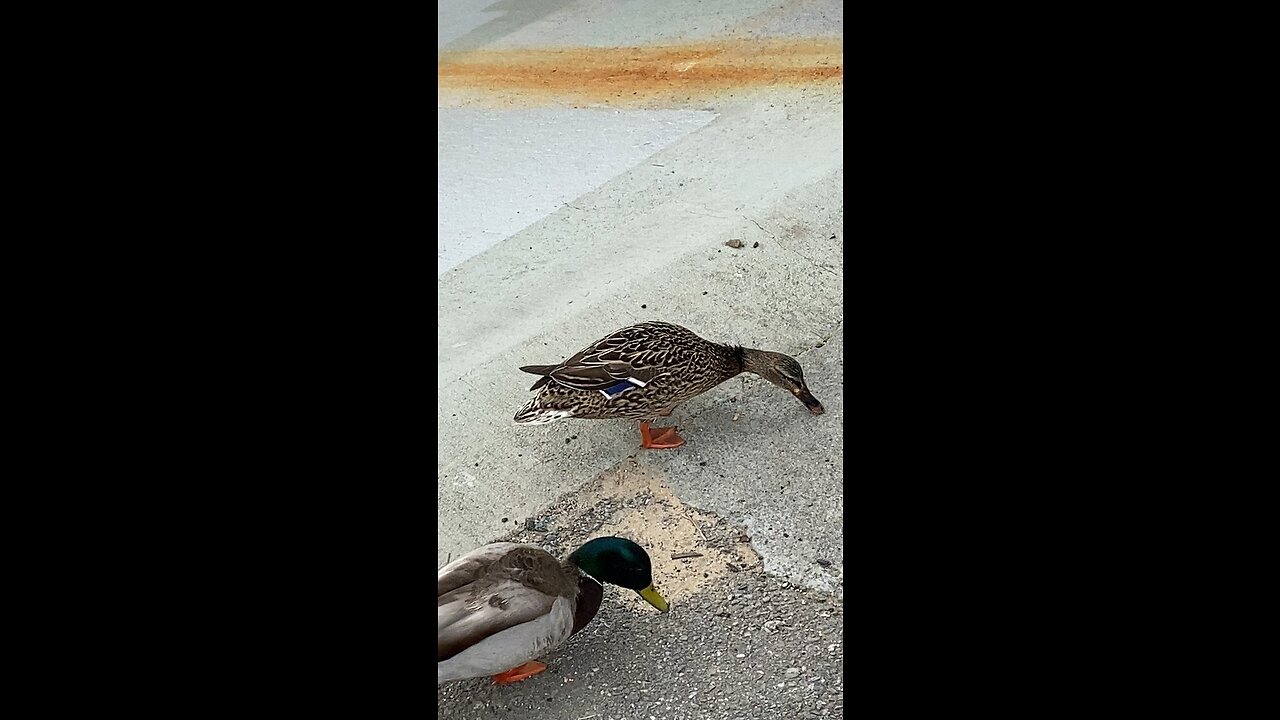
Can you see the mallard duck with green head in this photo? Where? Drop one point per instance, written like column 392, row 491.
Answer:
column 644, row 371
column 502, row 605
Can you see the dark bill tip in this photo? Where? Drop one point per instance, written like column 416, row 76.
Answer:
column 811, row 402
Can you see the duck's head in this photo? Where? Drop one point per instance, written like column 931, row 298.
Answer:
column 620, row 562
column 783, row 371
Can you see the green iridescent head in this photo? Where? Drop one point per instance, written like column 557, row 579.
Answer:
column 620, row 562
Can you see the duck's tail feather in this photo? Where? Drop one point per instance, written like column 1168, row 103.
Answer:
column 542, row 370
column 530, row 414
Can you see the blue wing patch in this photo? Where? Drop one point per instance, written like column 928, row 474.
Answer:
column 615, row 390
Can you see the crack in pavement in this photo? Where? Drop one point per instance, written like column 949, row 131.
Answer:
column 797, row 253
column 824, row 339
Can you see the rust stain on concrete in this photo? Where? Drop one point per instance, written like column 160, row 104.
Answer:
column 638, row 74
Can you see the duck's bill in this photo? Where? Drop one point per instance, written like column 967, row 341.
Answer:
column 810, row 402
column 652, row 597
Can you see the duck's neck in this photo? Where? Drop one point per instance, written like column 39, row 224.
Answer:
column 753, row 361
column 589, row 595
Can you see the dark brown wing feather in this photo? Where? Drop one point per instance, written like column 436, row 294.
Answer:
column 542, row 370
column 538, row 369
column 642, row 352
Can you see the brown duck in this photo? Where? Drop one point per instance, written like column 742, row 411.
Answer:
column 645, row 371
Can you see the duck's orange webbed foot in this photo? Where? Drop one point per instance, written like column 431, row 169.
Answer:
column 516, row 674
column 659, row 438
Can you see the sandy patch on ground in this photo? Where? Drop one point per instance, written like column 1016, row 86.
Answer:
column 636, row 503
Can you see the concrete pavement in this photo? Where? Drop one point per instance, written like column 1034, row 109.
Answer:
column 648, row 244
column 568, row 213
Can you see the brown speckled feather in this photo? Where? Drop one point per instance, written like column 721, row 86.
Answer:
column 672, row 362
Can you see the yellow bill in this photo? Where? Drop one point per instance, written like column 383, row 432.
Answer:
column 650, row 594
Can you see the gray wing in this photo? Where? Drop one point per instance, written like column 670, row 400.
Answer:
column 466, row 618
column 511, row 647
column 466, row 569
column 492, row 589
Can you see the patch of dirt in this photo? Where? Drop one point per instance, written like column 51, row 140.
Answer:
column 635, row 502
